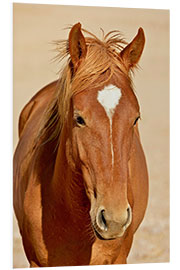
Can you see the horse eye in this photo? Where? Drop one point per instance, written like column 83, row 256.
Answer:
column 80, row 121
column 136, row 120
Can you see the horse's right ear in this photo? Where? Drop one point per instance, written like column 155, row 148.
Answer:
column 77, row 45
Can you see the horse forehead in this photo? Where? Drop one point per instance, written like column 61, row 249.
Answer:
column 109, row 98
column 92, row 100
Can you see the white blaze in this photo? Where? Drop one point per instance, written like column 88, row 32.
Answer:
column 109, row 98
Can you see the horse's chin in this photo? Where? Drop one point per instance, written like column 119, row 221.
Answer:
column 99, row 236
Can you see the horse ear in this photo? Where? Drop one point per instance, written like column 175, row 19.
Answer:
column 132, row 52
column 77, row 45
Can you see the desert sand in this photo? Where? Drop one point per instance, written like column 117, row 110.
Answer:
column 35, row 27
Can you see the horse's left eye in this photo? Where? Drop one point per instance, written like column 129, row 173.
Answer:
column 80, row 121
column 136, row 120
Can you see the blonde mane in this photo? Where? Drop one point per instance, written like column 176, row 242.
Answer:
column 102, row 58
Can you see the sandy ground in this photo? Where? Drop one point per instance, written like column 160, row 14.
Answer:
column 35, row 26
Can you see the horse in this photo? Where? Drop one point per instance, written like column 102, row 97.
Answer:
column 80, row 187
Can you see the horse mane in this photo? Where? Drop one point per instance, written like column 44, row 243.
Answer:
column 102, row 57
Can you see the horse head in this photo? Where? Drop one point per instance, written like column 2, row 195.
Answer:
column 104, row 111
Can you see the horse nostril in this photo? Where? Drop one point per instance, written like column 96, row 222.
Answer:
column 128, row 216
column 102, row 221
column 103, row 218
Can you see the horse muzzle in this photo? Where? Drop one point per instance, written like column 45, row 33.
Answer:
column 107, row 227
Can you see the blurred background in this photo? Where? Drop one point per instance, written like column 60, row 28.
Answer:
column 34, row 28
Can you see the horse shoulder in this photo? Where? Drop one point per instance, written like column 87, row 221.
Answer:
column 28, row 126
column 32, row 225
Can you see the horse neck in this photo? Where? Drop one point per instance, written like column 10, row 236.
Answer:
column 67, row 184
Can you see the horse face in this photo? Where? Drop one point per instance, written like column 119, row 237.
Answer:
column 102, row 134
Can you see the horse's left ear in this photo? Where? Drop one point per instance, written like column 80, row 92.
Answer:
column 132, row 52
column 77, row 45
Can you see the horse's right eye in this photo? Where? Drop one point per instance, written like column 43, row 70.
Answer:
column 80, row 121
